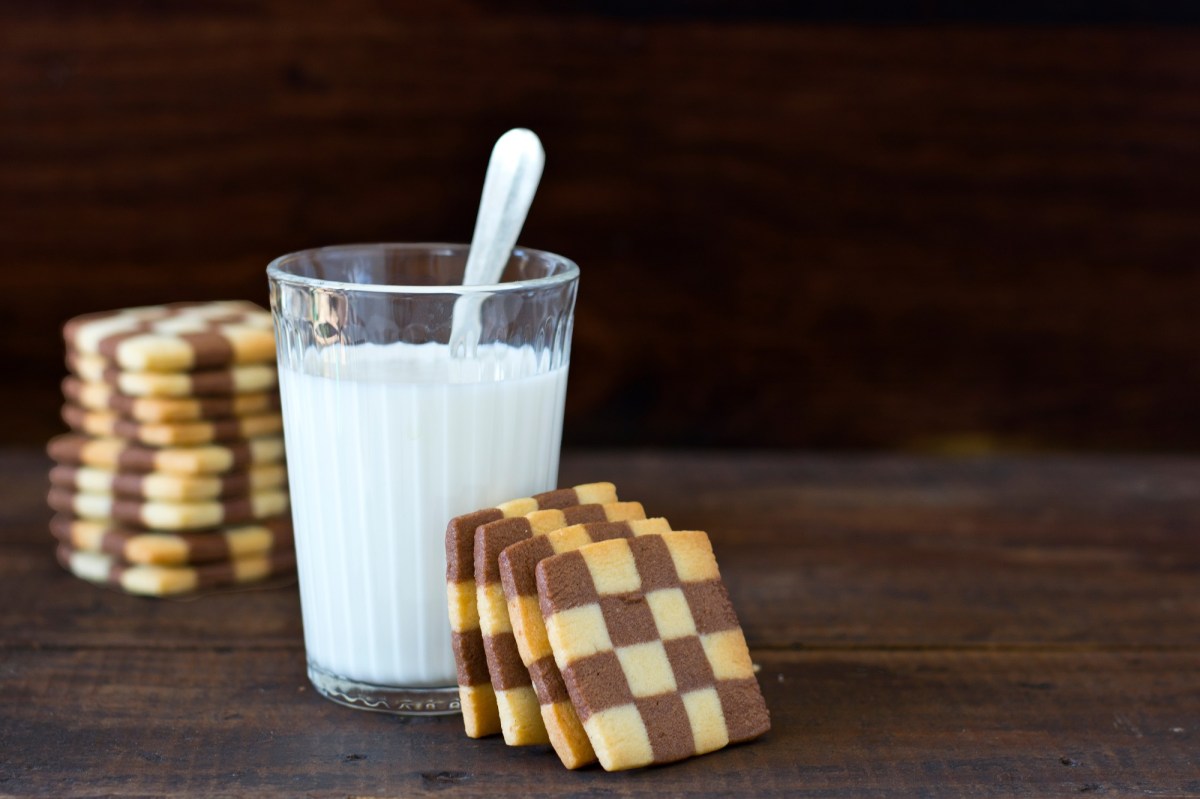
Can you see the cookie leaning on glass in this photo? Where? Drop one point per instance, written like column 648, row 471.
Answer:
column 516, row 699
column 476, row 695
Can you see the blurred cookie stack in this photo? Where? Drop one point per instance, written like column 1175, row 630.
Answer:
column 173, row 478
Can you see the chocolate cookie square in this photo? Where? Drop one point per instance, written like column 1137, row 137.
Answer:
column 650, row 697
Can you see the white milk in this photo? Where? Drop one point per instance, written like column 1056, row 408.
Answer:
column 385, row 443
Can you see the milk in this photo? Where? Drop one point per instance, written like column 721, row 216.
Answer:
column 385, row 444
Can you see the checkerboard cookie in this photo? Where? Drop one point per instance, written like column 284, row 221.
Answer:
column 516, row 700
column 173, row 549
column 168, row 487
column 175, row 461
column 169, row 516
column 518, row 563
column 650, row 649
column 123, row 456
column 246, row 378
column 104, row 424
column 477, row 699
column 159, row 410
column 175, row 337
column 169, row 581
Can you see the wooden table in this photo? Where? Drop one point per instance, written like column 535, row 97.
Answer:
column 1012, row 626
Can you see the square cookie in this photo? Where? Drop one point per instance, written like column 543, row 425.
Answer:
column 118, row 455
column 169, row 487
column 168, row 581
column 477, row 699
column 650, row 649
column 169, row 516
column 106, row 424
column 160, row 410
column 236, row 379
column 173, row 549
column 518, row 564
column 177, row 337
column 516, row 700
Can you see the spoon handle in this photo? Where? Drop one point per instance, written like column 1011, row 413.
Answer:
column 508, row 188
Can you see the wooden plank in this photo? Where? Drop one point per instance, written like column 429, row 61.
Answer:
column 174, row 723
column 817, row 552
column 832, row 595
column 836, row 551
column 792, row 234
column 1000, row 627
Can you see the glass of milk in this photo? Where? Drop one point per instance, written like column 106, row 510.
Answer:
column 390, row 434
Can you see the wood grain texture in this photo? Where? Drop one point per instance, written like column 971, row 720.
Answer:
column 818, row 553
column 245, row 723
column 933, row 627
column 951, row 238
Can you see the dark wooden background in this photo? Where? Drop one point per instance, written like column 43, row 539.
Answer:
column 794, row 231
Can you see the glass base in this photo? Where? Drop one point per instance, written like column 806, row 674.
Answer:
column 384, row 698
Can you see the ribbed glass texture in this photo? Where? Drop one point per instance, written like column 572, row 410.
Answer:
column 390, row 432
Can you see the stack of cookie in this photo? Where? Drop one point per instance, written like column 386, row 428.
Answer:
column 172, row 479
column 578, row 622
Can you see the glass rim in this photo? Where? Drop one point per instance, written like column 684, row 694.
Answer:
column 277, row 271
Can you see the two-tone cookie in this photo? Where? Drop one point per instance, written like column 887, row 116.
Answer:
column 516, row 699
column 174, row 549
column 105, row 424
column 178, row 337
column 176, row 452
column 168, row 487
column 170, row 516
column 160, row 410
column 476, row 696
column 119, row 455
column 169, row 581
column 650, row 649
column 518, row 564
column 242, row 379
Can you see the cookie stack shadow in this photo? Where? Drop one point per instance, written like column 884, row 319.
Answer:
column 172, row 479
